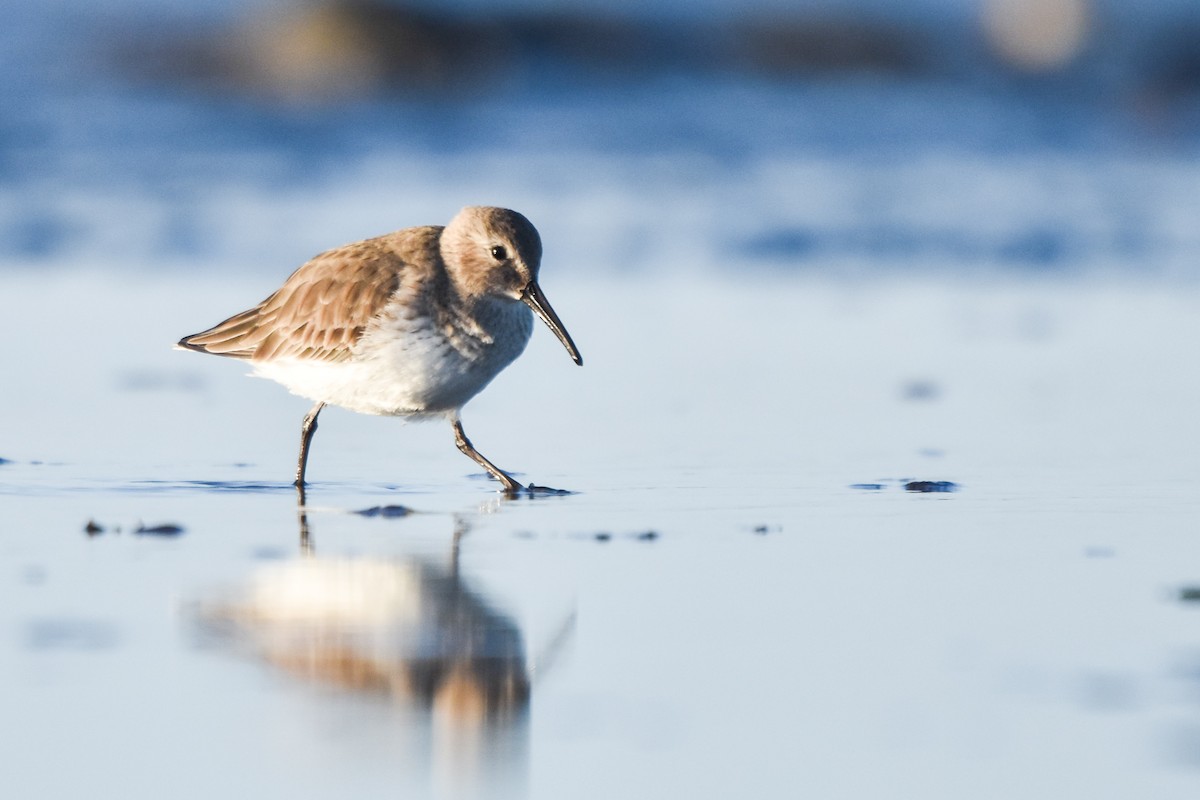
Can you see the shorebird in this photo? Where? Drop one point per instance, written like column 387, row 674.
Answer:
column 410, row 324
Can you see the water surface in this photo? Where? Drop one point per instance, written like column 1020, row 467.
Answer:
column 719, row 609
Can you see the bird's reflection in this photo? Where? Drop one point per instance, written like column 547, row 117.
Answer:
column 409, row 628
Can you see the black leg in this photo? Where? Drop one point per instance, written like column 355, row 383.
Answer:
column 464, row 444
column 307, row 429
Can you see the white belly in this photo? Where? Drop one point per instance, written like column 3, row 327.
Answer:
column 405, row 370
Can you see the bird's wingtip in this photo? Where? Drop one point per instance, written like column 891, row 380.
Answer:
column 186, row 344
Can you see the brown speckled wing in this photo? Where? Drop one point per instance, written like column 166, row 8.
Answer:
column 324, row 307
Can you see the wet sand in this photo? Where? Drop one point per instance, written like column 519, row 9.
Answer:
column 742, row 598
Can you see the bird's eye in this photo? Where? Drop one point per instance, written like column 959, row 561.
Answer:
column 499, row 253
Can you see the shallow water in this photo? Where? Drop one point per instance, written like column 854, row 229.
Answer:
column 796, row 296
column 720, row 609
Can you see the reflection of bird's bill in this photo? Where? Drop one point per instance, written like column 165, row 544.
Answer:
column 533, row 297
column 544, row 661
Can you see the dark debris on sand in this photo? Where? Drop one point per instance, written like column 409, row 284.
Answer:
column 1190, row 594
column 165, row 529
column 385, row 512
column 921, row 487
column 648, row 535
column 931, row 486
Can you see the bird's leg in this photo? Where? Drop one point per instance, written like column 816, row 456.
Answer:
column 511, row 486
column 307, row 429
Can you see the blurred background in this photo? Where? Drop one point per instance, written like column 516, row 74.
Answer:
column 833, row 136
column 812, row 253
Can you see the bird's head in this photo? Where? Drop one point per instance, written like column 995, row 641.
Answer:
column 496, row 253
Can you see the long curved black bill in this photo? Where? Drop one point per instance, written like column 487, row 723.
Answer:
column 533, row 297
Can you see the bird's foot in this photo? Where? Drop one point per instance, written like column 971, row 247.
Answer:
column 533, row 490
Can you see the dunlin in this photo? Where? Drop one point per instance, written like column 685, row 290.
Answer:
column 411, row 324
